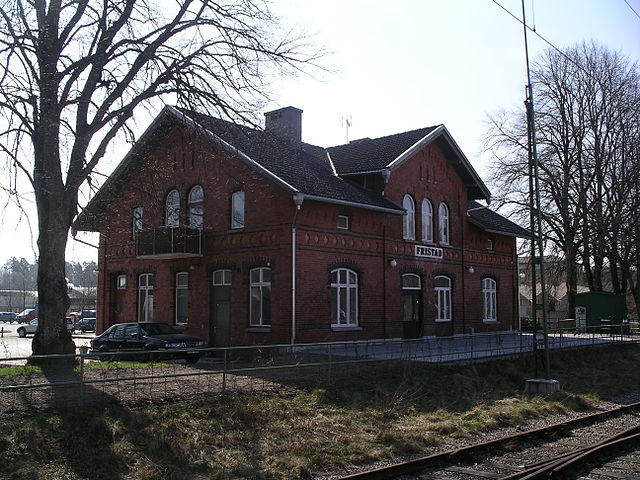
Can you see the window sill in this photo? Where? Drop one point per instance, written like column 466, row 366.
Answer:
column 181, row 326
column 448, row 320
column 265, row 329
column 490, row 322
column 346, row 328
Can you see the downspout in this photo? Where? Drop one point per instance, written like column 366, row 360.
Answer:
column 464, row 267
column 298, row 198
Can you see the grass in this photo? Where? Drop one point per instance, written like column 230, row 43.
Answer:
column 372, row 414
column 14, row 371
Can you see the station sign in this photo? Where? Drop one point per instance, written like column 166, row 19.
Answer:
column 425, row 251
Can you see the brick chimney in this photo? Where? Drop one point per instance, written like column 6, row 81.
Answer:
column 285, row 122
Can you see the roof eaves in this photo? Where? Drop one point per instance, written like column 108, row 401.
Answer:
column 235, row 151
column 415, row 147
column 498, row 232
column 377, row 208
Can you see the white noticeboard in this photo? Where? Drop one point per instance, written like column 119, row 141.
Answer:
column 581, row 319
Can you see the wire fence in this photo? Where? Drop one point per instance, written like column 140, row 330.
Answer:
column 69, row 381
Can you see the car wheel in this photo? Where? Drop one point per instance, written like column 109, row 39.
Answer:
column 22, row 332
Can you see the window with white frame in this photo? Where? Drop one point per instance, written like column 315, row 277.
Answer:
column 196, row 207
column 489, row 296
column 344, row 297
column 182, row 298
column 409, row 226
column 137, row 220
column 121, row 282
column 222, row 277
column 343, row 222
column 260, row 294
column 443, row 218
column 442, row 287
column 237, row 209
column 427, row 221
column 172, row 209
column 145, row 297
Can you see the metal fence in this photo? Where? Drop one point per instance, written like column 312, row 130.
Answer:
column 94, row 379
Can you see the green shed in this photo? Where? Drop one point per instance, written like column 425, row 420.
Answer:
column 603, row 306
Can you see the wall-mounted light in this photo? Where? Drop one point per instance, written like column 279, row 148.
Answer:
column 471, row 269
column 393, row 263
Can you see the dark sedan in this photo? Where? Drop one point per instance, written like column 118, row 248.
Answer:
column 153, row 336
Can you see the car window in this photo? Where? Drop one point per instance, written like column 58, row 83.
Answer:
column 158, row 329
column 117, row 333
column 130, row 330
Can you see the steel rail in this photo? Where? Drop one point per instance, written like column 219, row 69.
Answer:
column 456, row 455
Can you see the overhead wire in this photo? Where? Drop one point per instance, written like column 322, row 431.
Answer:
column 632, row 9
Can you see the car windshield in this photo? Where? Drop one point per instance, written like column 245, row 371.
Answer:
column 157, row 328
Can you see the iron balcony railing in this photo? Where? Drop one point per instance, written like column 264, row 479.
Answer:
column 169, row 242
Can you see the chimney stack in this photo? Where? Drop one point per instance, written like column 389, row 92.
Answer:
column 285, row 122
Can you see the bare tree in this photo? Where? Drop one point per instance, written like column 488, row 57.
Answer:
column 587, row 110
column 74, row 74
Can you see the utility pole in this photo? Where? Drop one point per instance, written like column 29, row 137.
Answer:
column 536, row 259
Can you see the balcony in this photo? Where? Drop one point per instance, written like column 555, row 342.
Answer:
column 169, row 242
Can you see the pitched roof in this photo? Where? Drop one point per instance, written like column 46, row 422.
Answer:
column 367, row 154
column 493, row 222
column 387, row 153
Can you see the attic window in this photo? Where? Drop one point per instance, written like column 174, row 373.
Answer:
column 343, row 222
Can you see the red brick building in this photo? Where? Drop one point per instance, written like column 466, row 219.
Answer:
column 249, row 236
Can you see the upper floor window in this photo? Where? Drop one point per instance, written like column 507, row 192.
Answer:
column 443, row 217
column 196, row 208
column 172, row 210
column 344, row 297
column 442, row 287
column 427, row 221
column 237, row 209
column 137, row 220
column 182, row 297
column 260, row 294
column 343, row 222
column 409, row 230
column 489, row 300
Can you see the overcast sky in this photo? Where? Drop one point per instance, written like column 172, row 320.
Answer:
column 398, row 65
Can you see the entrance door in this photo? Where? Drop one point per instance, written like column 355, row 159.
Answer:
column 220, row 325
column 117, row 301
column 412, row 306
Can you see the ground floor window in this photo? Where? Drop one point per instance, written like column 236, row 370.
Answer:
column 344, row 297
column 182, row 298
column 260, row 293
column 145, row 297
column 442, row 286
column 489, row 296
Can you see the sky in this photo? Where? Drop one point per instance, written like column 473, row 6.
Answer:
column 399, row 65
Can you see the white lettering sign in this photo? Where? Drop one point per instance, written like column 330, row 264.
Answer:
column 428, row 252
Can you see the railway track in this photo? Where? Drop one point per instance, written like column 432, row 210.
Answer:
column 600, row 446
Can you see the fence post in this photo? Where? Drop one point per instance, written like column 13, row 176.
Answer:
column 224, row 371
column 81, row 379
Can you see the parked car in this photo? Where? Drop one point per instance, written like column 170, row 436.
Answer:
column 77, row 316
column 153, row 336
column 86, row 325
column 27, row 315
column 7, row 316
column 31, row 327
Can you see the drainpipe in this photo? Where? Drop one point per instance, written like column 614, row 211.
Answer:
column 298, row 198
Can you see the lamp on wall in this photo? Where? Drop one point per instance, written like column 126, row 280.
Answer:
column 471, row 269
column 393, row 263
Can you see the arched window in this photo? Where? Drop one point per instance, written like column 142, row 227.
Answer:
column 172, row 210
column 344, row 297
column 145, row 297
column 196, row 208
column 427, row 221
column 411, row 281
column 182, row 297
column 260, row 294
column 409, row 230
column 443, row 217
column 489, row 297
column 442, row 287
column 137, row 220
column 237, row 209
